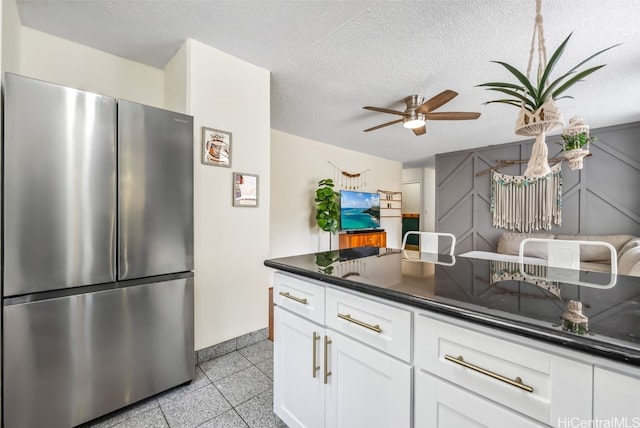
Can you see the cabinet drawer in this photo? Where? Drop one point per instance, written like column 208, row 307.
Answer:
column 379, row 325
column 301, row 297
column 439, row 404
column 516, row 376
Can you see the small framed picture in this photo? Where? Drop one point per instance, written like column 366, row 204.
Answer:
column 245, row 190
column 216, row 147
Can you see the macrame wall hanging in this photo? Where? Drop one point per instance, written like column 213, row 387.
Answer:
column 348, row 180
column 527, row 203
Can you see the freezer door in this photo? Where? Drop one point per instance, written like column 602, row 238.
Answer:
column 59, row 186
column 155, row 191
column 72, row 359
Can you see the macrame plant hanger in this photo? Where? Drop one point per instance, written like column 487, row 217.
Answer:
column 532, row 201
column 547, row 118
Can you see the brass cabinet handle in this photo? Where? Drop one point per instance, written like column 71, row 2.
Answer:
column 517, row 382
column 289, row 296
column 347, row 317
column 316, row 367
column 327, row 373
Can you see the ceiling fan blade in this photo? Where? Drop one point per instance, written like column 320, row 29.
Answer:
column 384, row 110
column 439, row 100
column 383, row 125
column 420, row 131
column 452, row 115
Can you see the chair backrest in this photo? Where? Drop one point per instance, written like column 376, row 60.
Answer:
column 429, row 241
column 566, row 253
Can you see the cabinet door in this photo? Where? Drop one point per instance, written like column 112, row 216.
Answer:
column 439, row 404
column 366, row 388
column 298, row 388
column 616, row 397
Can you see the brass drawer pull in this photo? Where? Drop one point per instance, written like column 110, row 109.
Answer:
column 316, row 367
column 327, row 373
column 297, row 299
column 347, row 317
column 517, row 382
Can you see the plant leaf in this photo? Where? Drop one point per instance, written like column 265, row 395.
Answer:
column 515, row 103
column 552, row 63
column 593, row 56
column 521, row 77
column 517, row 95
column 503, row 85
column 575, row 79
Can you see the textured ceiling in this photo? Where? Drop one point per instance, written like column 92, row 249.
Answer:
column 330, row 58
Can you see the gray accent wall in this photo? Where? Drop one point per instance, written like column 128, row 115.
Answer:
column 602, row 198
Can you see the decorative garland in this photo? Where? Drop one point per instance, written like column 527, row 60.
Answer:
column 348, row 180
column 526, row 203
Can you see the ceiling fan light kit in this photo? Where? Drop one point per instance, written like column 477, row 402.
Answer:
column 415, row 120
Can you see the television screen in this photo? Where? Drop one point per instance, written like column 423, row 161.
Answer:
column 359, row 210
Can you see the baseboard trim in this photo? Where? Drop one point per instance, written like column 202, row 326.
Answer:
column 231, row 345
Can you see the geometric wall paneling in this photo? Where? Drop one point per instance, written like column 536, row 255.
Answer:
column 572, row 221
column 452, row 164
column 458, row 218
column 465, row 244
column 623, row 171
column 599, row 199
column 464, row 179
column 603, row 216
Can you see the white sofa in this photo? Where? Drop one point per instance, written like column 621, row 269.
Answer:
column 591, row 258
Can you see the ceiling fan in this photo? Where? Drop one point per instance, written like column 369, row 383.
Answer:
column 418, row 111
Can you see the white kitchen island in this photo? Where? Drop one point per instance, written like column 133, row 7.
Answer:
column 368, row 338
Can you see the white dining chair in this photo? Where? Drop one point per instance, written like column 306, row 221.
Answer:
column 429, row 241
column 563, row 259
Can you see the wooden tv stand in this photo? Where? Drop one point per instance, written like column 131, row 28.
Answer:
column 362, row 239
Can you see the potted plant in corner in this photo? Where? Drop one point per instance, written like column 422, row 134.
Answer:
column 575, row 142
column 328, row 207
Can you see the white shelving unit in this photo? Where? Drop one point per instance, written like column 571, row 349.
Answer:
column 390, row 204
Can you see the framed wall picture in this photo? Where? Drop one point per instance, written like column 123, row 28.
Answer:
column 245, row 190
column 216, row 147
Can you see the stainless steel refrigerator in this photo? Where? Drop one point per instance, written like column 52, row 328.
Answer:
column 97, row 253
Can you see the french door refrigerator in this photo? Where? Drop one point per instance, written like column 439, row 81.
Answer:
column 97, row 253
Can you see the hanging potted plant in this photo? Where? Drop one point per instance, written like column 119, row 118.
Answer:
column 536, row 99
column 575, row 142
column 328, row 207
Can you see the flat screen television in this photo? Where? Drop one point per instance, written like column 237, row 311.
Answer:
column 359, row 210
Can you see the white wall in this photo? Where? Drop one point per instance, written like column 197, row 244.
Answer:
column 426, row 177
column 53, row 59
column 230, row 242
column 176, row 82
column 11, row 35
column 297, row 164
column 428, row 219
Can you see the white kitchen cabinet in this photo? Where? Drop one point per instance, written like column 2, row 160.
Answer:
column 299, row 391
column 325, row 378
column 366, row 388
column 616, row 397
column 440, row 404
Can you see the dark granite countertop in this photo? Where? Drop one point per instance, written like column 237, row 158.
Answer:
column 490, row 293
